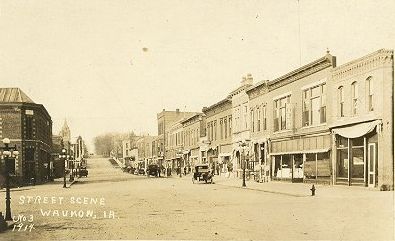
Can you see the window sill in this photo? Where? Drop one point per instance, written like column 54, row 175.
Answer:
column 319, row 125
column 282, row 131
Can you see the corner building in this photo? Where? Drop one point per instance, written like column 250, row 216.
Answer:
column 29, row 126
column 362, row 121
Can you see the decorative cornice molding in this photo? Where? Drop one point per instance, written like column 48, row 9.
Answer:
column 311, row 68
column 363, row 64
column 220, row 106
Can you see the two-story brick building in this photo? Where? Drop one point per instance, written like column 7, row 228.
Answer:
column 327, row 124
column 29, row 126
column 289, row 124
column 193, row 130
column 165, row 120
column 240, row 123
column 219, row 135
column 361, row 121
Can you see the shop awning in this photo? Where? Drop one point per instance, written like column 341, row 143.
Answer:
column 356, row 130
column 301, row 152
column 224, row 154
column 260, row 141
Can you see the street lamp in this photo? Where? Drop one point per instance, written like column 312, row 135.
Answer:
column 64, row 157
column 244, row 144
column 7, row 153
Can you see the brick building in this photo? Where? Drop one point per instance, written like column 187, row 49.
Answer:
column 326, row 124
column 219, row 134
column 294, row 123
column 144, row 148
column 165, row 120
column 240, row 123
column 193, row 130
column 29, row 126
column 362, row 121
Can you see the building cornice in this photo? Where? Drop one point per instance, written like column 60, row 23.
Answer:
column 363, row 64
column 306, row 70
column 209, row 111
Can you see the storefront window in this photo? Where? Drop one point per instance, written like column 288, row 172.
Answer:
column 342, row 163
column 323, row 165
column 277, row 166
column 357, row 162
column 357, row 142
column 286, row 168
column 309, row 166
column 298, row 166
column 342, row 142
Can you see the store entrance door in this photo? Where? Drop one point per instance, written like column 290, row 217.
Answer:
column 371, row 165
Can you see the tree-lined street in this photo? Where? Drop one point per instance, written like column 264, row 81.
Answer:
column 174, row 208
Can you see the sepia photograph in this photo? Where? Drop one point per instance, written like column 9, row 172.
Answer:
column 197, row 120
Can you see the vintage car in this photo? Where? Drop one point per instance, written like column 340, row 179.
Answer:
column 153, row 170
column 140, row 171
column 83, row 172
column 202, row 173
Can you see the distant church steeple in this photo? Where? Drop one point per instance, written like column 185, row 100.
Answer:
column 65, row 132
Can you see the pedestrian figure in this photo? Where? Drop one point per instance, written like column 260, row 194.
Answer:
column 185, row 171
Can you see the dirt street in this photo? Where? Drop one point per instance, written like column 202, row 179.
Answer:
column 110, row 204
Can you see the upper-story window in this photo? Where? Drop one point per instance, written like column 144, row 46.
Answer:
column 230, row 126
column 258, row 119
column 245, row 117
column 252, row 121
column 29, row 127
column 369, row 93
column 264, row 125
column 215, row 130
column 225, row 128
column 314, row 105
column 197, row 136
column 340, row 97
column 281, row 108
column 354, row 97
column 221, row 129
column 209, row 131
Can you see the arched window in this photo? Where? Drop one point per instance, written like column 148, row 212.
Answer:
column 354, row 97
column 341, row 100
column 369, row 93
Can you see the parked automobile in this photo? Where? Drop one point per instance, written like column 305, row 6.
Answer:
column 83, row 172
column 153, row 170
column 202, row 173
column 141, row 171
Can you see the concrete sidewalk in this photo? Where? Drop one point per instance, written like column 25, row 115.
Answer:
column 60, row 181
column 299, row 189
column 302, row 189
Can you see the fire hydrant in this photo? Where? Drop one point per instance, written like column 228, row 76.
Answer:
column 312, row 190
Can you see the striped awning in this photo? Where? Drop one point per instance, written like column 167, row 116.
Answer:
column 301, row 152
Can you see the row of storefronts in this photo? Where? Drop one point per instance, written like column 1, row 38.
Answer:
column 320, row 123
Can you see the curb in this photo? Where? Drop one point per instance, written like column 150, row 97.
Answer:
column 262, row 190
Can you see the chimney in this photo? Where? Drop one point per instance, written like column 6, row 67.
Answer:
column 243, row 80
column 249, row 79
column 177, row 110
column 163, row 110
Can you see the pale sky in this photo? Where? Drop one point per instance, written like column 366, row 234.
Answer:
column 86, row 60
